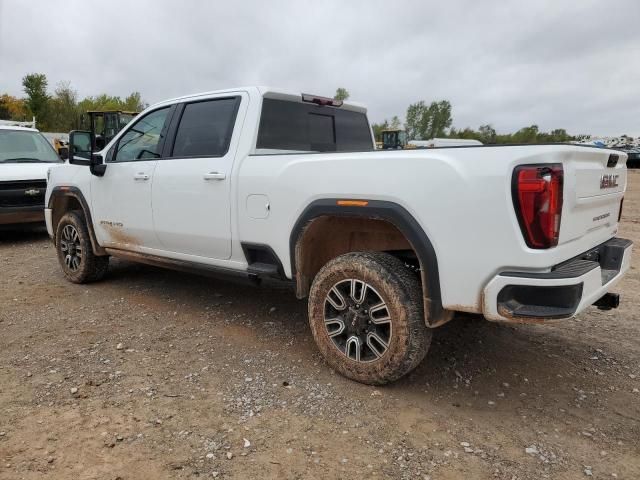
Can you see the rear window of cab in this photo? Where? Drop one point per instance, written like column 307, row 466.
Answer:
column 302, row 127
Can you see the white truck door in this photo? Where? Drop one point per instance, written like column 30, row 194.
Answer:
column 192, row 186
column 121, row 199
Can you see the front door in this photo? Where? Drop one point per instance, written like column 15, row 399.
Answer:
column 121, row 199
column 192, row 186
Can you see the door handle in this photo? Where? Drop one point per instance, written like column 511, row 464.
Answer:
column 141, row 176
column 214, row 176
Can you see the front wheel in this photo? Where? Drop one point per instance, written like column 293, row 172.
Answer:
column 366, row 315
column 75, row 254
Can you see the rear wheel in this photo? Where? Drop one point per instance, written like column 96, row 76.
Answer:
column 366, row 315
column 75, row 254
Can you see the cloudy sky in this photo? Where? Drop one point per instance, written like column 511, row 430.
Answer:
column 554, row 63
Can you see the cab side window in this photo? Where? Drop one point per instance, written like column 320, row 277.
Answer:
column 205, row 128
column 144, row 139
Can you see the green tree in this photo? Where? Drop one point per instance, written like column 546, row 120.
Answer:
column 109, row 102
column 487, row 134
column 378, row 128
column 63, row 108
column 341, row 94
column 16, row 108
column 424, row 122
column 395, row 124
column 466, row 133
column 560, row 135
column 5, row 114
column 134, row 102
column 526, row 135
column 35, row 87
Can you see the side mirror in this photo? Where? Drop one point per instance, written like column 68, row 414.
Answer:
column 79, row 147
column 96, row 165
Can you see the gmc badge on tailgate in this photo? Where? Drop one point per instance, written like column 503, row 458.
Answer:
column 608, row 181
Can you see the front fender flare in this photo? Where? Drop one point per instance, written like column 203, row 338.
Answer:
column 74, row 192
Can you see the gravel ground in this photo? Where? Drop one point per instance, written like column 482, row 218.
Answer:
column 153, row 374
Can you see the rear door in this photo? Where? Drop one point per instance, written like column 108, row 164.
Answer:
column 192, row 186
column 595, row 181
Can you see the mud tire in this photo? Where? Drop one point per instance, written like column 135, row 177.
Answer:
column 92, row 267
column 400, row 289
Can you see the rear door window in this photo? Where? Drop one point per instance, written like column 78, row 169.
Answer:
column 296, row 126
column 205, row 128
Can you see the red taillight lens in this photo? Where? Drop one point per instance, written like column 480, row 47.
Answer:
column 537, row 197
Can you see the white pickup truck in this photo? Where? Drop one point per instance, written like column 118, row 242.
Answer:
column 386, row 245
column 25, row 158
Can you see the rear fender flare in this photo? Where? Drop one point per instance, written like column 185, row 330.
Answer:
column 398, row 216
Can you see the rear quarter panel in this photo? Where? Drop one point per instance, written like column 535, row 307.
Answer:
column 460, row 196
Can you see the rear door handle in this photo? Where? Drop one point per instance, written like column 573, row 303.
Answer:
column 141, row 176
column 214, row 176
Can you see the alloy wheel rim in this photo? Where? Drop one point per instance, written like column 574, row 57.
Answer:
column 357, row 320
column 71, row 247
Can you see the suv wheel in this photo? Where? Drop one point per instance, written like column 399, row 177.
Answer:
column 75, row 254
column 365, row 311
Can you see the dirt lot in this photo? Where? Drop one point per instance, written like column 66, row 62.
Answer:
column 153, row 374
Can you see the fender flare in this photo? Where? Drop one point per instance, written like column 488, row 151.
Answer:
column 74, row 192
column 399, row 217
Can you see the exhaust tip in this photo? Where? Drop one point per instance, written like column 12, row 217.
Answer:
column 608, row 301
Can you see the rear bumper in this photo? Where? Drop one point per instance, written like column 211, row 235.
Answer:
column 563, row 292
column 20, row 215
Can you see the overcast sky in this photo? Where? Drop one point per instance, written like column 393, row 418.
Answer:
column 554, row 63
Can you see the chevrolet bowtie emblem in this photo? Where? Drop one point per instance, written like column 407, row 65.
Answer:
column 32, row 192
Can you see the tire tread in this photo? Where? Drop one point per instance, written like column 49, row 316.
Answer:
column 406, row 291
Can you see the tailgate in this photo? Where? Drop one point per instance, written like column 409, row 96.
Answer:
column 594, row 184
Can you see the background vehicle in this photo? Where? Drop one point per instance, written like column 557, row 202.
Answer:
column 444, row 142
column 633, row 157
column 25, row 158
column 387, row 245
column 105, row 124
column 61, row 147
column 394, row 139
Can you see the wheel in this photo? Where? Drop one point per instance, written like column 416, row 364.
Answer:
column 366, row 315
column 73, row 245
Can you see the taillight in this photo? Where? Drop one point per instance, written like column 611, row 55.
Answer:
column 537, row 197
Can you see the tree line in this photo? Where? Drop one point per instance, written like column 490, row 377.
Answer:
column 434, row 120
column 60, row 111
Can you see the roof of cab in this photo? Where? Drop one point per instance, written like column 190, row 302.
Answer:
column 266, row 92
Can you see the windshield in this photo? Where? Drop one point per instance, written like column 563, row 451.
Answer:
column 18, row 146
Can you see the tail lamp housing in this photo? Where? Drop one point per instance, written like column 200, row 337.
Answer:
column 537, row 197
